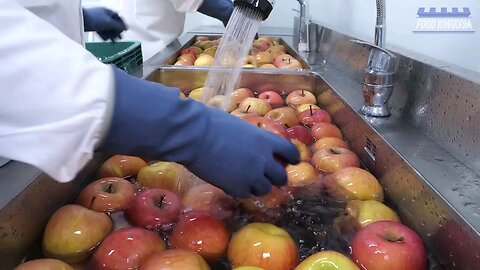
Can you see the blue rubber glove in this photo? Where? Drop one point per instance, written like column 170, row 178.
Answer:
column 105, row 22
column 152, row 121
column 218, row 9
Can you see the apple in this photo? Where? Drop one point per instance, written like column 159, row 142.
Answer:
column 154, row 208
column 329, row 142
column 263, row 58
column 267, row 124
column 260, row 106
column 211, row 51
column 244, row 113
column 182, row 95
column 197, row 50
column 183, row 63
column 267, row 66
column 353, row 183
column 305, row 152
column 69, row 235
column 285, row 116
column 206, row 44
column 239, row 95
column 388, row 245
column 293, row 64
column 164, row 175
column 175, row 259
column 251, row 60
column 121, row 166
column 321, row 130
column 304, row 107
column 277, row 48
column 327, row 260
column 109, row 194
column 276, row 54
column 204, row 60
column 287, row 61
column 201, row 232
column 249, row 66
column 299, row 97
column 301, row 174
column 262, row 44
column 43, row 264
column 367, row 212
column 314, row 116
column 263, row 245
column 199, row 39
column 187, row 58
column 189, row 51
column 332, row 159
column 221, row 102
column 248, row 268
column 273, row 98
column 127, row 248
column 196, row 94
column 276, row 198
column 300, row 133
column 209, row 198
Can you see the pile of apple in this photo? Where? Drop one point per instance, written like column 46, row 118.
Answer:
column 157, row 215
column 265, row 53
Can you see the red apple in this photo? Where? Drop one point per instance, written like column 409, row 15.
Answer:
column 267, row 124
column 260, row 106
column 239, row 95
column 262, row 44
column 388, row 245
column 153, row 208
column 190, row 51
column 109, row 194
column 187, row 58
column 285, row 116
column 121, row 166
column 332, row 159
column 314, row 116
column 175, row 259
column 301, row 174
column 327, row 260
column 299, row 97
column 44, row 264
column 127, row 248
column 201, row 232
column 206, row 197
column 329, row 142
column 305, row 152
column 304, row 107
column 263, row 245
column 242, row 114
column 321, row 130
column 273, row 98
column 287, row 61
column 300, row 133
column 353, row 183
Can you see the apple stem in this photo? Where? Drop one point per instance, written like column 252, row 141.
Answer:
column 91, row 202
column 303, row 93
column 160, row 203
column 311, row 111
column 248, row 108
column 109, row 189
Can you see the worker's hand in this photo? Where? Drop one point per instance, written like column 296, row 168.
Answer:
column 219, row 9
column 150, row 120
column 105, row 22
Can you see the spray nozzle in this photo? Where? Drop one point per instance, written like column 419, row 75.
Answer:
column 265, row 7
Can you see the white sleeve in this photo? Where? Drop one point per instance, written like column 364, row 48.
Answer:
column 55, row 97
column 185, row 6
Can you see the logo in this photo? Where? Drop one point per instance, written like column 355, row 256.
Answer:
column 443, row 20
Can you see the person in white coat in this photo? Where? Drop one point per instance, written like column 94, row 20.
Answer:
column 58, row 105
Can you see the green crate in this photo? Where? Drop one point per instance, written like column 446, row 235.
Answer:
column 124, row 55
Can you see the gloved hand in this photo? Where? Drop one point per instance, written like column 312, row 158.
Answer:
column 219, row 9
column 152, row 121
column 105, row 22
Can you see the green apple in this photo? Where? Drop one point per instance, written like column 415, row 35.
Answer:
column 164, row 175
column 327, row 260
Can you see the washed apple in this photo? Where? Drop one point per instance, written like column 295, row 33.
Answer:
column 388, row 245
column 305, row 152
column 197, row 50
column 267, row 66
column 283, row 60
column 304, row 107
column 44, row 264
column 300, row 133
column 285, row 116
column 239, row 95
column 273, row 98
column 206, row 197
column 201, row 232
column 153, row 208
column 211, row 51
column 327, row 260
column 109, row 194
column 189, row 51
column 175, row 259
column 277, row 48
column 262, row 44
column 199, row 39
column 187, row 58
column 329, row 142
column 250, row 60
column 293, row 64
column 267, row 124
column 121, row 166
column 204, row 60
column 276, row 198
column 244, row 113
column 367, row 212
column 263, row 245
column 353, row 183
column 299, row 97
column 263, row 58
column 221, row 102
column 276, row 54
column 127, row 248
column 69, row 235
column 206, row 44
column 196, row 94
column 164, row 175
column 301, row 174
column 322, row 130
column 183, row 63
column 260, row 106
column 332, row 159
column 249, row 66
column 313, row 116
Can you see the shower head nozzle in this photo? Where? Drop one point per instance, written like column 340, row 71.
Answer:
column 265, row 7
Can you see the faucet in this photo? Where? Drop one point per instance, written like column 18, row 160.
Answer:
column 379, row 74
column 303, row 36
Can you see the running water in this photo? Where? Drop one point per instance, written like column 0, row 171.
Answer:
column 232, row 53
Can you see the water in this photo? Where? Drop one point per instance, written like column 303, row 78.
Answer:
column 231, row 53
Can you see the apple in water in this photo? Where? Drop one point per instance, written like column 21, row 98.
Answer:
column 273, row 98
column 304, row 107
column 274, row 199
column 268, row 66
column 267, row 124
column 260, row 106
column 301, row 174
column 154, row 208
column 300, row 133
column 44, row 264
column 321, row 130
column 121, row 166
column 204, row 60
column 127, row 248
column 362, row 213
column 164, row 175
column 332, row 159
column 175, row 259
column 209, row 198
column 262, row 58
column 239, row 95
column 299, row 97
column 201, row 232
column 109, row 194
column 263, row 245
column 388, row 245
column 353, row 183
column 305, row 152
column 314, row 116
column 196, row 94
column 327, row 260
column 285, row 116
column 329, row 142
column 69, row 235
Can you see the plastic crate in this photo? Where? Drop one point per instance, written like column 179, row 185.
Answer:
column 124, row 55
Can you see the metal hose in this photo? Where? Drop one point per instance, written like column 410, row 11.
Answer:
column 380, row 28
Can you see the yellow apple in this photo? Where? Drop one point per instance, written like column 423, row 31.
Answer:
column 260, row 106
column 305, row 152
column 301, row 174
column 352, row 183
column 206, row 44
column 164, row 175
column 239, row 95
column 366, row 212
column 204, row 60
column 304, row 107
column 210, row 51
column 44, row 264
column 196, row 94
column 249, row 66
column 268, row 66
column 327, row 260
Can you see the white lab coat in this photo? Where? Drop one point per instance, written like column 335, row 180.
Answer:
column 55, row 97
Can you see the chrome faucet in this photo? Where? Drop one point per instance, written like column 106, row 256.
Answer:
column 303, row 35
column 379, row 74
